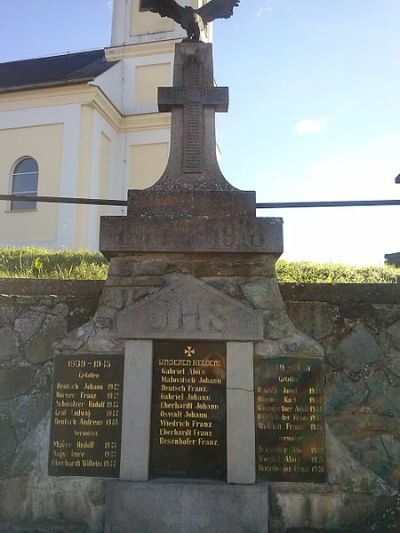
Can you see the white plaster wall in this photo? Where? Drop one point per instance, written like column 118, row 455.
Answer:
column 111, row 83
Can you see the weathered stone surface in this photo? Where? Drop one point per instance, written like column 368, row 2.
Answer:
column 27, row 412
column 392, row 335
column 8, row 310
column 28, row 324
column 189, row 308
column 114, row 297
column 8, row 344
column 30, row 496
column 7, row 445
column 297, row 344
column 343, row 394
column 197, row 264
column 316, row 319
column 127, row 235
column 15, row 380
column 264, row 294
column 40, row 347
column 356, row 351
column 183, row 507
column 387, row 314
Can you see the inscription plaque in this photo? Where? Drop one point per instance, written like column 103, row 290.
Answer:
column 290, row 428
column 85, row 434
column 188, row 425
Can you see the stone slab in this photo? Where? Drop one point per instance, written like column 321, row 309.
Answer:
column 190, row 309
column 173, row 201
column 162, row 507
column 241, row 449
column 136, row 416
column 127, row 235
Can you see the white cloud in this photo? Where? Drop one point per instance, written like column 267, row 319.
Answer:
column 308, row 126
column 110, row 4
column 266, row 8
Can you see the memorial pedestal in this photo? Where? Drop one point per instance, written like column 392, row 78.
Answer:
column 195, row 507
column 220, row 391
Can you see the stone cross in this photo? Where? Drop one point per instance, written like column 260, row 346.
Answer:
column 193, row 101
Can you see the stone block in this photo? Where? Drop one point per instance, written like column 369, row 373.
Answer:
column 264, row 294
column 15, row 381
column 136, row 414
column 241, row 460
column 189, row 308
column 8, row 444
column 8, row 344
column 316, row 319
column 28, row 324
column 28, row 411
column 356, row 351
column 162, row 507
column 40, row 347
column 127, row 235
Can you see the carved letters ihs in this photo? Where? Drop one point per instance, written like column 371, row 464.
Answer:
column 187, row 315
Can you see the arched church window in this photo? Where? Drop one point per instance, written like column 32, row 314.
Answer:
column 25, row 181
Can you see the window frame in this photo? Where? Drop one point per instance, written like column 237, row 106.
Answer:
column 12, row 208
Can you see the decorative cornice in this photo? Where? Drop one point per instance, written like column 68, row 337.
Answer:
column 116, row 53
column 84, row 95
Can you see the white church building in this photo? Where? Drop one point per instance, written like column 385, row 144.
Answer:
column 84, row 124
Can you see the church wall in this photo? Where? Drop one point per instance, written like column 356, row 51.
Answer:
column 132, row 26
column 85, row 165
column 51, row 135
column 142, row 76
column 148, row 163
column 147, row 157
column 111, row 85
column 142, row 22
column 44, row 144
column 147, row 80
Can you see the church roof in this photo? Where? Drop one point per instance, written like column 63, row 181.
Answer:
column 53, row 71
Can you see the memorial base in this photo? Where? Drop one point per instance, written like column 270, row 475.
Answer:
column 176, row 507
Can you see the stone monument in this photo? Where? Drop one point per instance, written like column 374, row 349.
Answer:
column 190, row 386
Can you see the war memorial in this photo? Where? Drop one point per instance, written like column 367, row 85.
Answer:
column 190, row 402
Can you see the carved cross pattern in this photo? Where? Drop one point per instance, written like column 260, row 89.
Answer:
column 197, row 93
column 189, row 351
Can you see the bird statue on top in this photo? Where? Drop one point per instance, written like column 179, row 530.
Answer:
column 193, row 21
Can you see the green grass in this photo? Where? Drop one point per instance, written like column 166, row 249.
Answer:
column 307, row 272
column 71, row 264
column 51, row 264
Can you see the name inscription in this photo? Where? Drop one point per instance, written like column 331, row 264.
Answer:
column 188, row 429
column 85, row 435
column 290, row 427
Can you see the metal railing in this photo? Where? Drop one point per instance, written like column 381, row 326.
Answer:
column 260, row 205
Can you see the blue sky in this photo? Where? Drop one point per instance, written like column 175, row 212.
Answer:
column 314, row 114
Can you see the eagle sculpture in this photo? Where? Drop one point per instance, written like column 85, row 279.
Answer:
column 193, row 20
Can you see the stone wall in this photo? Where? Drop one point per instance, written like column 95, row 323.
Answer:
column 359, row 328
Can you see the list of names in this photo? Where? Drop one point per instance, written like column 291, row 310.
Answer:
column 290, row 430
column 188, row 436
column 85, row 437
